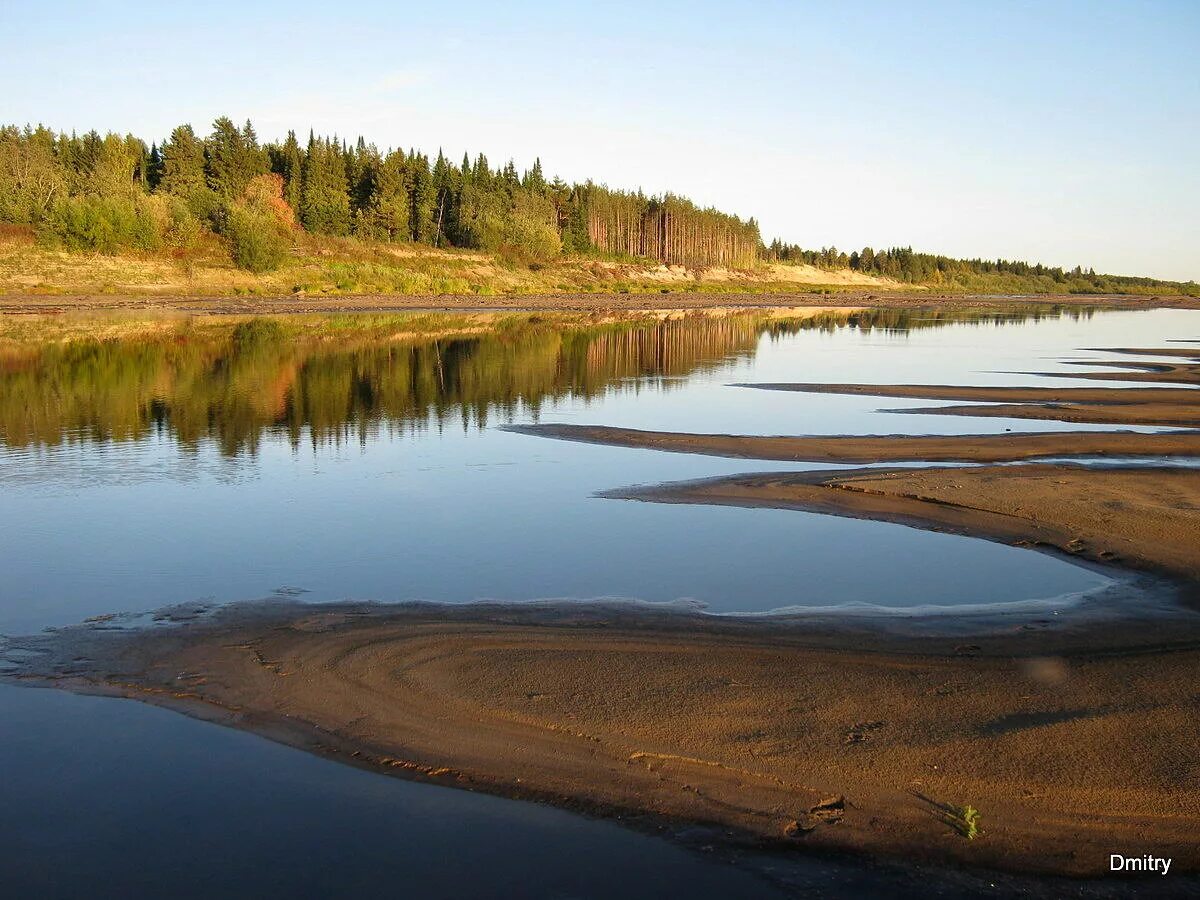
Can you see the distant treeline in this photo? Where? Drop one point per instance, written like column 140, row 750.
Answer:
column 903, row 264
column 110, row 193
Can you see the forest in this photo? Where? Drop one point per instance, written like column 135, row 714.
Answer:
column 255, row 201
column 902, row 264
column 112, row 193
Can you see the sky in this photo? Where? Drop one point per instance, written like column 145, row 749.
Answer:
column 1060, row 132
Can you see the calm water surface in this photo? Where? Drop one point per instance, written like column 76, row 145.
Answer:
column 139, row 480
column 140, row 474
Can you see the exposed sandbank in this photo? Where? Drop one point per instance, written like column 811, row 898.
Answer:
column 1144, row 518
column 809, row 737
column 1161, row 372
column 885, row 448
column 1165, row 415
column 985, row 394
column 1162, row 406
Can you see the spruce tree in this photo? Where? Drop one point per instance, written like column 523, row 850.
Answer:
column 421, row 198
column 324, row 198
column 154, row 168
column 232, row 157
column 182, row 164
column 387, row 211
column 291, row 164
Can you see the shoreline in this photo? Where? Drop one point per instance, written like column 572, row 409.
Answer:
column 446, row 695
column 1040, row 506
column 882, row 448
column 569, row 302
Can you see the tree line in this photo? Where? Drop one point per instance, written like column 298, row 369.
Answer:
column 110, row 193
column 903, row 264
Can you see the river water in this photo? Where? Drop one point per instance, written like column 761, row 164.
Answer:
column 143, row 473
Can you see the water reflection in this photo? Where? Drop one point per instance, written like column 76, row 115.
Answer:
column 232, row 385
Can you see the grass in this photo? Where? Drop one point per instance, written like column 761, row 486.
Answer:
column 333, row 266
column 317, row 266
column 965, row 820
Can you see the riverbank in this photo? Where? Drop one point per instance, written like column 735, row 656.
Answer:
column 674, row 299
column 813, row 737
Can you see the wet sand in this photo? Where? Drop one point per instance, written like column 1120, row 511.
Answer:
column 1168, row 407
column 1143, row 518
column 1166, row 415
column 1070, row 740
column 1162, row 373
column 885, row 448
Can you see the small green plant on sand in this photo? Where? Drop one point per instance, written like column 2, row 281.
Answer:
column 965, row 820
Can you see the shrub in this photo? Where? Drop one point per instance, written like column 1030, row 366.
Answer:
column 177, row 226
column 103, row 224
column 255, row 241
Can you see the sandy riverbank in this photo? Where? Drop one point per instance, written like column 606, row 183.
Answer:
column 1143, row 518
column 1161, row 406
column 884, row 448
column 807, row 736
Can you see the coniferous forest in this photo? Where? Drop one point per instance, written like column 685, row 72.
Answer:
column 113, row 194
column 110, row 193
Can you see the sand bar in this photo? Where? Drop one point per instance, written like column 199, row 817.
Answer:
column 885, row 448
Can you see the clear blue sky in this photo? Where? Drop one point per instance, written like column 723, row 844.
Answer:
column 1054, row 131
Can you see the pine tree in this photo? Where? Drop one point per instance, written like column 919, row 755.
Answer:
column 387, row 211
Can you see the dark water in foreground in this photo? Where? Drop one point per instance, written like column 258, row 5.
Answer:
column 132, row 801
column 139, row 474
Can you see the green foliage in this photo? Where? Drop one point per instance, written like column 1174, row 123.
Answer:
column 32, row 177
column 324, row 193
column 232, row 158
column 255, row 241
column 103, row 224
column 984, row 275
column 965, row 820
column 182, row 164
column 112, row 192
column 422, row 199
column 383, row 210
